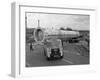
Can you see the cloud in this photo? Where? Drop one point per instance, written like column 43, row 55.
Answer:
column 78, row 22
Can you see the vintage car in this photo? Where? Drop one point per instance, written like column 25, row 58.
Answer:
column 53, row 49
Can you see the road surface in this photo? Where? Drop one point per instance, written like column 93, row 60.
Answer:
column 74, row 54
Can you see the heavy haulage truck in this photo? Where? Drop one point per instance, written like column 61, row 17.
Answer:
column 52, row 46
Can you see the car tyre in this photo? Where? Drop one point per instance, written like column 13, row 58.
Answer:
column 48, row 58
column 61, row 57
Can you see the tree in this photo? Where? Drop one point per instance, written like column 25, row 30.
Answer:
column 69, row 29
column 62, row 28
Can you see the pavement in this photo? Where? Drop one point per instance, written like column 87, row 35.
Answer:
column 74, row 54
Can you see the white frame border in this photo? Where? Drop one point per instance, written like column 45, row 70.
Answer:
column 18, row 70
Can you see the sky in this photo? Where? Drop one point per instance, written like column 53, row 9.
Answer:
column 76, row 22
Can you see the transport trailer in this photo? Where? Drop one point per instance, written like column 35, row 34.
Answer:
column 53, row 49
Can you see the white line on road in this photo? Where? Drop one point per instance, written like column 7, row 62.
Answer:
column 68, row 61
column 72, row 52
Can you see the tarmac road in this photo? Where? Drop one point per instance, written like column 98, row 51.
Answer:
column 74, row 54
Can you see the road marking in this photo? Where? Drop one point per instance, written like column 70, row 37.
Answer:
column 72, row 52
column 68, row 61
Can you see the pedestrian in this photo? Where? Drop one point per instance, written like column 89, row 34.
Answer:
column 31, row 47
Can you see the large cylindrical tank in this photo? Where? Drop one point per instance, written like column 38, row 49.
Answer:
column 39, row 35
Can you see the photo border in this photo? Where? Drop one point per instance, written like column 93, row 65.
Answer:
column 17, row 66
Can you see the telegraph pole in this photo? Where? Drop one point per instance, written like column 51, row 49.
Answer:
column 38, row 23
column 25, row 20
